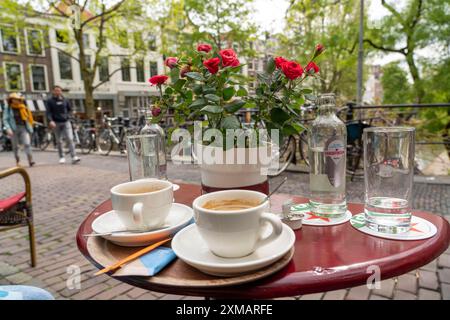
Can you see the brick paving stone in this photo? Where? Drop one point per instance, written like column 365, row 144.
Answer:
column 445, row 291
column 403, row 295
column 407, row 282
column 377, row 297
column 7, row 269
column 386, row 288
column 312, row 296
column 444, row 275
column 425, row 294
column 91, row 292
column 114, row 292
column 335, row 295
column 147, row 296
column 432, row 266
column 444, row 261
column 171, row 297
column 428, row 279
column 358, row 293
column 19, row 278
column 136, row 292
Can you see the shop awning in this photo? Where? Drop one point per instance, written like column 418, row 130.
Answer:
column 30, row 105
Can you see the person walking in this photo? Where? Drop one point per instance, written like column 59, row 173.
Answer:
column 58, row 113
column 18, row 123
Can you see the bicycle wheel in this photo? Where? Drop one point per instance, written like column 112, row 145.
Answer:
column 105, row 142
column 86, row 143
column 304, row 146
column 45, row 141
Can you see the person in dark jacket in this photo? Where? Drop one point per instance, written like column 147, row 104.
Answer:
column 58, row 113
column 18, row 123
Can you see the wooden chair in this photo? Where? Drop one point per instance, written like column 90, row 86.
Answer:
column 16, row 211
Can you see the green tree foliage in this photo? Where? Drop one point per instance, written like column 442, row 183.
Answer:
column 335, row 25
column 396, row 88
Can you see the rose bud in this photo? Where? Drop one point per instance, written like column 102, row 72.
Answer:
column 156, row 111
column 171, row 62
column 204, row 47
column 158, row 80
column 185, row 70
column 312, row 68
column 279, row 62
column 212, row 65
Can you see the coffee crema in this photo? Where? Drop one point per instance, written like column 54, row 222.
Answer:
column 140, row 189
column 230, row 204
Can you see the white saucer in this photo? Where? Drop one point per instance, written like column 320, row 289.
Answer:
column 190, row 247
column 180, row 216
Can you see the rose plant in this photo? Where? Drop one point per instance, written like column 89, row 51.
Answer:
column 208, row 85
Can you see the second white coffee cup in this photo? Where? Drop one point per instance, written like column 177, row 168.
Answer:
column 142, row 204
column 235, row 233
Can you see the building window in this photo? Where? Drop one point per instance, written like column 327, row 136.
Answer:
column 123, row 38
column 38, row 78
column 65, row 66
column 86, row 42
column 251, row 65
column 125, row 67
column 103, row 69
column 14, row 77
column 138, row 42
column 140, row 73
column 35, row 42
column 153, row 68
column 87, row 59
column 152, row 42
column 9, row 39
column 62, row 36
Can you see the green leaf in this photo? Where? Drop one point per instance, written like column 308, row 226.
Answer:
column 212, row 109
column 174, row 75
column 234, row 106
column 179, row 84
column 195, row 76
column 198, row 103
column 212, row 97
column 242, row 92
column 288, row 130
column 279, row 116
column 306, row 91
column 228, row 93
column 207, row 90
column 198, row 89
column 230, row 122
column 168, row 90
column 298, row 127
column 270, row 68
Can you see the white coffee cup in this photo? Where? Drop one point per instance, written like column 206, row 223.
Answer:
column 142, row 210
column 235, row 233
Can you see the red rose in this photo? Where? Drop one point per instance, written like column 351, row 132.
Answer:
column 279, row 62
column 319, row 48
column 212, row 65
column 312, row 68
column 229, row 58
column 292, row 70
column 185, row 70
column 171, row 62
column 156, row 112
column 204, row 47
column 158, row 80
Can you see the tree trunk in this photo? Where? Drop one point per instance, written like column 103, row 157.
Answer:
column 419, row 92
column 89, row 102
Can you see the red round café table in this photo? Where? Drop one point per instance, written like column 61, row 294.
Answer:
column 325, row 258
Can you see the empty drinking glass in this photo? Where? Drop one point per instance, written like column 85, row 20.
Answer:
column 388, row 173
column 143, row 160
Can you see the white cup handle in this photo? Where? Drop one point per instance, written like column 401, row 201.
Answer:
column 137, row 213
column 277, row 226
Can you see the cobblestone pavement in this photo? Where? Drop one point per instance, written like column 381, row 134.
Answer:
column 64, row 194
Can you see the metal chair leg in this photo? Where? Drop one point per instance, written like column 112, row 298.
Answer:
column 32, row 244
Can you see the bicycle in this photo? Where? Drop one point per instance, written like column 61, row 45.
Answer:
column 113, row 134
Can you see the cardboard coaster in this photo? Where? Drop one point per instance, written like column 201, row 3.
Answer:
column 313, row 220
column 420, row 229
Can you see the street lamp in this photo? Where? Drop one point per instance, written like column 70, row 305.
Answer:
column 360, row 58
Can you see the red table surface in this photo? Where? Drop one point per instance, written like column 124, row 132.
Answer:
column 326, row 258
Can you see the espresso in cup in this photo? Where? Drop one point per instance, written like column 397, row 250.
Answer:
column 230, row 204
column 142, row 204
column 231, row 222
